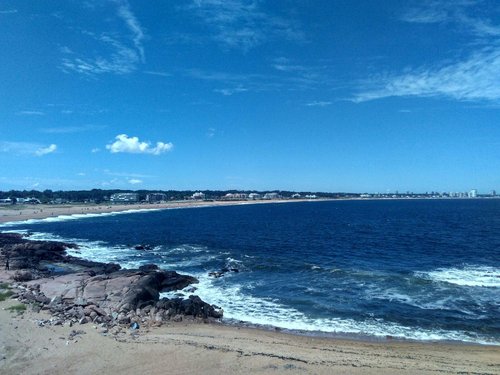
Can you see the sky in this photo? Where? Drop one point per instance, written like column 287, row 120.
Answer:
column 354, row 96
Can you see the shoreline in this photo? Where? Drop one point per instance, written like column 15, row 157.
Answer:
column 35, row 342
column 45, row 211
column 357, row 337
column 26, row 347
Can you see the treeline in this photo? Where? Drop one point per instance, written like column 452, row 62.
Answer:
column 100, row 195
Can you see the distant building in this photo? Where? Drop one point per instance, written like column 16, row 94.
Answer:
column 473, row 193
column 296, row 196
column 272, row 196
column 235, row 196
column 27, row 201
column 493, row 193
column 199, row 196
column 7, row 201
column 156, row 197
column 124, row 198
column 311, row 196
column 254, row 196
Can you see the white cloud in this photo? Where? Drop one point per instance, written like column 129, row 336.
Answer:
column 134, row 181
column 132, row 145
column 46, row 150
column 26, row 148
column 475, row 78
column 95, row 150
column 120, row 54
column 318, row 104
column 133, row 25
column 8, row 11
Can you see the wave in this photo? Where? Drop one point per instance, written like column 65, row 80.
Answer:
column 241, row 307
column 473, row 276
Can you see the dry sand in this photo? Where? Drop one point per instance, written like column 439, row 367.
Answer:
column 196, row 348
column 41, row 211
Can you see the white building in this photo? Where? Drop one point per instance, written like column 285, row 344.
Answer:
column 272, row 196
column 199, row 196
column 124, row 198
column 473, row 193
column 254, row 196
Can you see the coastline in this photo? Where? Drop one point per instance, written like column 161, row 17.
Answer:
column 13, row 214
column 215, row 349
column 189, row 347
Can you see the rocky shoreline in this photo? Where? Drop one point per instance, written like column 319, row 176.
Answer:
column 77, row 291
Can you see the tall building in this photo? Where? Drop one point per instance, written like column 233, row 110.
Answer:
column 473, row 193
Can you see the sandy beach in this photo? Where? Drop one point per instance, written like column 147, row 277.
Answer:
column 189, row 348
column 12, row 213
column 193, row 347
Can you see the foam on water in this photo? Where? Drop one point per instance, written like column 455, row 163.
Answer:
column 474, row 276
column 241, row 307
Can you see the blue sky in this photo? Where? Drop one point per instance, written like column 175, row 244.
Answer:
column 360, row 96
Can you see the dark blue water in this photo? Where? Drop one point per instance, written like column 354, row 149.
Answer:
column 420, row 269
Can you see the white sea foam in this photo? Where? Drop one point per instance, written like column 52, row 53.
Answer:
column 62, row 218
column 241, row 307
column 475, row 276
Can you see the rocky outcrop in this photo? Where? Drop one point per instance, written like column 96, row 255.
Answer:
column 45, row 258
column 94, row 292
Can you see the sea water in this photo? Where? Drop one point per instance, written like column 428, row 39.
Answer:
column 410, row 269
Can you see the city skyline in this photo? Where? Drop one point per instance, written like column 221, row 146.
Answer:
column 250, row 95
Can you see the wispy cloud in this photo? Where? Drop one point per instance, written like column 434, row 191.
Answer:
column 156, row 73
column 46, row 150
column 31, row 113
column 318, row 104
column 473, row 76
column 26, row 148
column 125, row 174
column 232, row 83
column 230, row 91
column 134, row 181
column 133, row 25
column 242, row 24
column 120, row 54
column 211, row 132
column 72, row 129
column 8, row 11
column 132, row 145
column 476, row 78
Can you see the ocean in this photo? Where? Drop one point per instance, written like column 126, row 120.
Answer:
column 402, row 269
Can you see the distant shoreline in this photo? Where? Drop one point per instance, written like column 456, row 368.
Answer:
column 18, row 213
column 43, row 211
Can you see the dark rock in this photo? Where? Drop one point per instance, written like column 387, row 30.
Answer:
column 134, row 325
column 78, row 290
column 149, row 267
